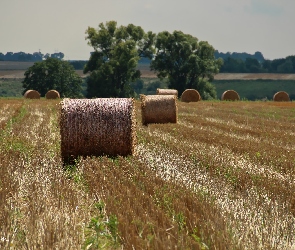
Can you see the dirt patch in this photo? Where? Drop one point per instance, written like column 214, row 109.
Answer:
column 19, row 74
column 10, row 65
column 147, row 73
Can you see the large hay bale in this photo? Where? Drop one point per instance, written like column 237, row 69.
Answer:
column 158, row 109
column 230, row 95
column 96, row 127
column 167, row 92
column 52, row 94
column 190, row 95
column 281, row 96
column 32, row 94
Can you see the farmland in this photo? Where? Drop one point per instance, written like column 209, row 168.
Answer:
column 249, row 86
column 221, row 178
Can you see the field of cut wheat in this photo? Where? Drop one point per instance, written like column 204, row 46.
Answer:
column 220, row 178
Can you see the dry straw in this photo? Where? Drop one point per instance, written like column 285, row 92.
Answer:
column 96, row 127
column 158, row 109
column 230, row 95
column 281, row 96
column 52, row 94
column 167, row 92
column 32, row 94
column 190, row 95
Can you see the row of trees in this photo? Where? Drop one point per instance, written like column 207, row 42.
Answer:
column 181, row 58
column 27, row 57
column 253, row 65
column 237, row 55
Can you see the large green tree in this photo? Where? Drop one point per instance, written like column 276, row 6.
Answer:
column 113, row 63
column 53, row 73
column 186, row 62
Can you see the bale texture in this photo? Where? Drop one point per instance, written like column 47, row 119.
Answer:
column 96, row 127
column 52, row 94
column 32, row 94
column 281, row 96
column 190, row 95
column 158, row 109
column 167, row 92
column 230, row 95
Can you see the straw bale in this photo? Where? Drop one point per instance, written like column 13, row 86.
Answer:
column 230, row 95
column 96, row 127
column 167, row 92
column 281, row 96
column 32, row 94
column 190, row 95
column 52, row 94
column 158, row 109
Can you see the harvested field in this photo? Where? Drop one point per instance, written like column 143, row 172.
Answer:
column 147, row 73
column 17, row 69
column 14, row 70
column 220, row 178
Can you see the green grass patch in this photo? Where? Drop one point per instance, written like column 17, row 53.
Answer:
column 256, row 89
column 11, row 88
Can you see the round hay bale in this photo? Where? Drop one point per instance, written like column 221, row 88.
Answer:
column 52, row 94
column 167, row 92
column 190, row 95
column 96, row 127
column 230, row 95
column 32, row 94
column 158, row 109
column 281, row 96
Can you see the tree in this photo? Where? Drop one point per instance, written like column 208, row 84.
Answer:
column 55, row 74
column 252, row 65
column 57, row 55
column 112, row 65
column 186, row 62
column 286, row 67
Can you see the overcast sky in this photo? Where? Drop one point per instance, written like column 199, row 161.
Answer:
column 229, row 25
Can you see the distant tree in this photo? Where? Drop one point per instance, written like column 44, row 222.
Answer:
column 236, row 55
column 58, row 55
column 186, row 62
column 292, row 60
column 258, row 56
column 137, row 85
column 78, row 65
column 276, row 63
column 252, row 65
column 286, row 67
column 55, row 74
column 266, row 65
column 112, row 65
column 231, row 65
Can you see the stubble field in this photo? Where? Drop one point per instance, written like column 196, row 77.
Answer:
column 221, row 178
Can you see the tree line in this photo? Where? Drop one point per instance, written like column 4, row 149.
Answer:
column 247, row 63
column 28, row 57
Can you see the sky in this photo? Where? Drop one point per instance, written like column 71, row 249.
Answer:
column 228, row 25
